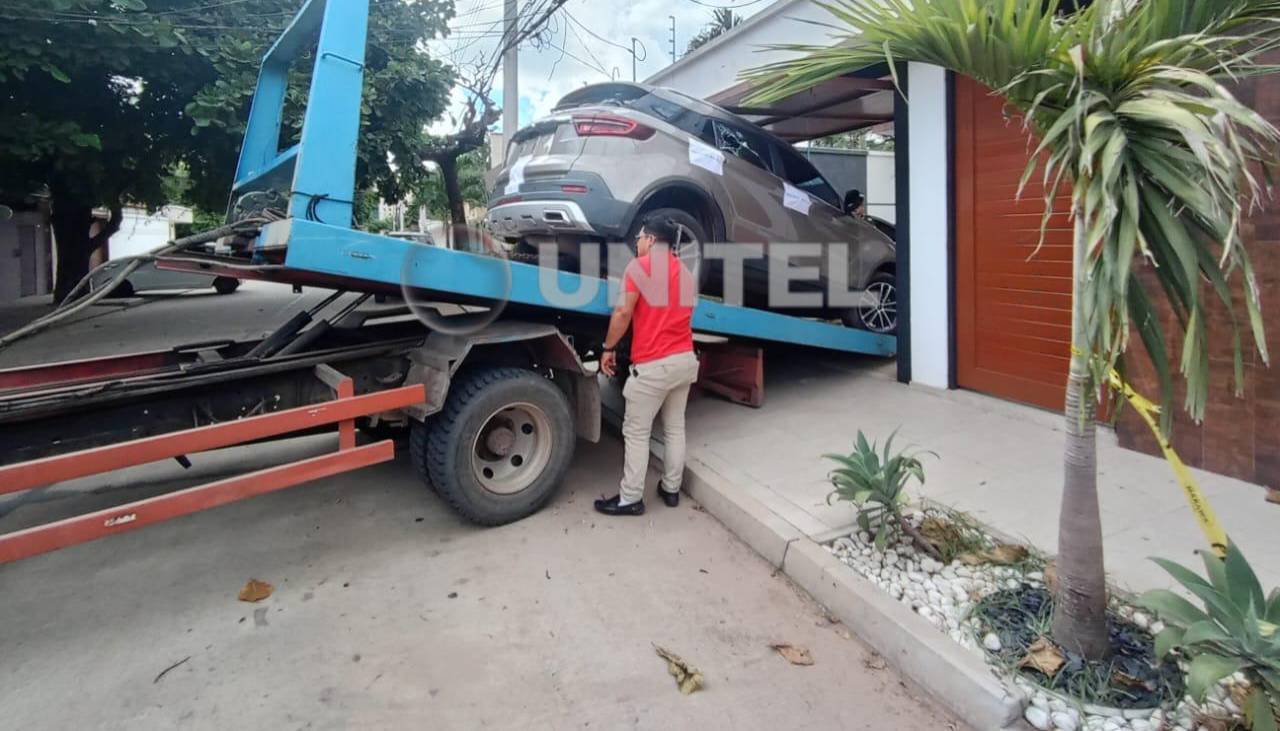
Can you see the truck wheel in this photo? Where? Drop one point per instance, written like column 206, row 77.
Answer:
column 225, row 285
column 501, row 445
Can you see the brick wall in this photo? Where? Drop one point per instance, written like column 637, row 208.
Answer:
column 1240, row 436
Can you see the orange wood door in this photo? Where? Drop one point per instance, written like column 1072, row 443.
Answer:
column 1013, row 303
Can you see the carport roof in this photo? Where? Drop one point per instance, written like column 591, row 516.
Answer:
column 837, row 105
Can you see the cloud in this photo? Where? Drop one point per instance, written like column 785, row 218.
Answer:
column 587, row 42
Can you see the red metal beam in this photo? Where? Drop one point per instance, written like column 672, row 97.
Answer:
column 26, row 475
column 133, row 364
column 83, row 528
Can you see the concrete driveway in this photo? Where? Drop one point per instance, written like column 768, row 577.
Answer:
column 389, row 611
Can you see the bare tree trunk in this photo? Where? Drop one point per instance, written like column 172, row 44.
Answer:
column 1080, row 607
column 71, row 224
column 453, row 191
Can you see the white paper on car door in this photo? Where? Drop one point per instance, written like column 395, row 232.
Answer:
column 795, row 199
column 516, row 177
column 706, row 157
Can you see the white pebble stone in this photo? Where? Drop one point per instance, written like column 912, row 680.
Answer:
column 1065, row 721
column 1040, row 700
column 1037, row 717
column 991, row 642
column 1139, row 724
column 1141, row 619
column 1011, row 584
column 1057, row 705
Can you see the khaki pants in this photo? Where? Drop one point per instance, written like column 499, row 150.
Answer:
column 657, row 386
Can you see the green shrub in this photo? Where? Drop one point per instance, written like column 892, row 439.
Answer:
column 1235, row 632
column 874, row 482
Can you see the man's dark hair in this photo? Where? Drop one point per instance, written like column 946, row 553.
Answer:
column 662, row 228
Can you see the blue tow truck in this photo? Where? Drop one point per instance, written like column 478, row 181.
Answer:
column 488, row 364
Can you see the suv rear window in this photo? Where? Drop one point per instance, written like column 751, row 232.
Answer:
column 629, row 96
column 615, row 95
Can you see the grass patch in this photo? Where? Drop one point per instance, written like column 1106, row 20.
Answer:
column 1130, row 678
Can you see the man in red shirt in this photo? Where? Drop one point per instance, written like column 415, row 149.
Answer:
column 657, row 299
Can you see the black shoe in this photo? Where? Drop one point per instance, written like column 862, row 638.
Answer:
column 672, row 499
column 610, row 506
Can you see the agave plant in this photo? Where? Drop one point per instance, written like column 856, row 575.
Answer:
column 875, row 482
column 1234, row 632
column 1128, row 100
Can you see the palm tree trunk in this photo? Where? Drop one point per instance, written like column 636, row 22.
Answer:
column 1080, row 607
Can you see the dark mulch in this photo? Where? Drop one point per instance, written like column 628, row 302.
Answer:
column 1130, row 678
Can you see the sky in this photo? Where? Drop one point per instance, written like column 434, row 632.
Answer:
column 586, row 42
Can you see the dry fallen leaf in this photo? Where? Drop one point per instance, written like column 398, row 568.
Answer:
column 874, row 662
column 1273, row 495
column 255, row 591
column 688, row 679
column 1006, row 553
column 1120, row 678
column 1044, row 656
column 1002, row 554
column 794, row 655
column 1051, row 577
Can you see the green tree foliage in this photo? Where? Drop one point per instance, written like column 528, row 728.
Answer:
column 722, row 21
column 102, row 99
column 863, row 139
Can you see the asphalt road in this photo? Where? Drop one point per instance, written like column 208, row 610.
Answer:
column 390, row 611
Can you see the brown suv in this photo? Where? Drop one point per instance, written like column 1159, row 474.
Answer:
column 611, row 153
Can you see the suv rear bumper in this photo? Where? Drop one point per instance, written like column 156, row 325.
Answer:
column 539, row 217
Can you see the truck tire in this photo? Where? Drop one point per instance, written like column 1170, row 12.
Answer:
column 225, row 285
column 691, row 251
column 499, row 448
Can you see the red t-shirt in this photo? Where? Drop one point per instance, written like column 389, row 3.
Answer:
column 662, row 323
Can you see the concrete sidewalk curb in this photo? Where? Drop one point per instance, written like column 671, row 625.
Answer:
column 956, row 677
column 753, row 523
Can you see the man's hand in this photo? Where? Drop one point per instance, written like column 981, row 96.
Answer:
column 609, row 363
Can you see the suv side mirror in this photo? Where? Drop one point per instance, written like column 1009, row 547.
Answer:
column 853, row 202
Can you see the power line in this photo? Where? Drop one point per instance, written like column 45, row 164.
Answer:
column 725, row 7
column 593, row 34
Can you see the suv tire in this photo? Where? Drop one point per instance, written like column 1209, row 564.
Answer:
column 883, row 318
column 693, row 249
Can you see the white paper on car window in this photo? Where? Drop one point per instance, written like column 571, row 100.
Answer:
column 706, row 157
column 516, row 177
column 795, row 199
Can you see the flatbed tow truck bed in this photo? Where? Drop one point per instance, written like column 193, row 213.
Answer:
column 490, row 398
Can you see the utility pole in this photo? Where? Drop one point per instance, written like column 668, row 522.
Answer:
column 673, row 38
column 634, row 41
column 510, row 72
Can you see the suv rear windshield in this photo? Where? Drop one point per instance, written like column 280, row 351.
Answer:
column 631, row 97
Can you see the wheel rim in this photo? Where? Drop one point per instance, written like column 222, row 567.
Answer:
column 512, row 448
column 883, row 316
column 689, row 252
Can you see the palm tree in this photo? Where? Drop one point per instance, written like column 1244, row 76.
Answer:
column 722, row 21
column 1127, row 98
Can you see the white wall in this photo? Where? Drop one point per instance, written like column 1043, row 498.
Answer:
column 141, row 231
column 930, row 291
column 714, row 67
column 882, row 186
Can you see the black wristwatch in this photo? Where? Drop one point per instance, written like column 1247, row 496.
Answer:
column 608, row 349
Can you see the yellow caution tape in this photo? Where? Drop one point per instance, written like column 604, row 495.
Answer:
column 1200, row 507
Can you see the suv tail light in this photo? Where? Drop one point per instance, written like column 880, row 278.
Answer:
column 608, row 125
